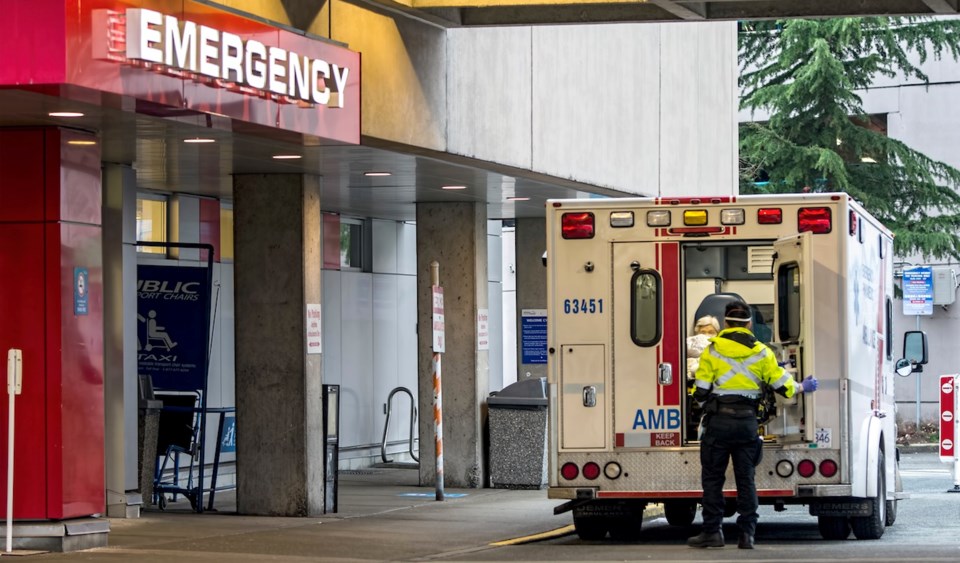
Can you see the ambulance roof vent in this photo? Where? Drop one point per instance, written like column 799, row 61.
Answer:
column 759, row 259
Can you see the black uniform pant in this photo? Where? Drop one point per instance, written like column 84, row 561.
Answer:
column 727, row 437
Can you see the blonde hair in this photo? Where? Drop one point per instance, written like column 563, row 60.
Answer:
column 707, row 320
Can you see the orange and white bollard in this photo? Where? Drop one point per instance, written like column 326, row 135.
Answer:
column 438, row 422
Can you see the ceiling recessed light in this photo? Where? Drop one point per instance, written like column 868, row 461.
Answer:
column 453, row 188
column 287, row 156
column 199, row 140
column 376, row 174
column 81, row 142
column 515, row 198
column 65, row 114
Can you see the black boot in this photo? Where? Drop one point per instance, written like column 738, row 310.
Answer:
column 746, row 541
column 707, row 539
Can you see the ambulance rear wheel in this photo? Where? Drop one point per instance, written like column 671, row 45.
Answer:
column 834, row 527
column 871, row 527
column 590, row 528
column 680, row 512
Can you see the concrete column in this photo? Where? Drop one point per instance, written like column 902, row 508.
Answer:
column 277, row 261
column 120, row 340
column 455, row 235
column 531, row 242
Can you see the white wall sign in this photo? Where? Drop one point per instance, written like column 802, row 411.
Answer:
column 314, row 329
column 483, row 329
column 439, row 344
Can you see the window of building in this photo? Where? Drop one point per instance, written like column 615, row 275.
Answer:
column 351, row 244
column 788, row 302
column 152, row 222
column 226, row 232
column 645, row 308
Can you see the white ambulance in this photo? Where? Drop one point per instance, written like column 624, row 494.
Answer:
column 626, row 281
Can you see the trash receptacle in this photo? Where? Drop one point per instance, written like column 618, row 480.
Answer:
column 148, row 425
column 518, row 435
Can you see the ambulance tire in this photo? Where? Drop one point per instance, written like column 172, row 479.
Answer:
column 680, row 512
column 871, row 527
column 590, row 528
column 834, row 527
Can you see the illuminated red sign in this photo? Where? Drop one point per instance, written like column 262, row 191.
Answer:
column 948, row 438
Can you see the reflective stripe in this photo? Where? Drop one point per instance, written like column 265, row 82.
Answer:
column 739, row 368
column 704, row 384
column 782, row 382
column 740, row 392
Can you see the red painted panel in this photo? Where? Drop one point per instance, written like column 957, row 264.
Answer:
column 22, row 326
column 210, row 225
column 77, row 195
column 21, row 174
column 670, row 270
column 76, row 476
column 331, row 241
column 32, row 42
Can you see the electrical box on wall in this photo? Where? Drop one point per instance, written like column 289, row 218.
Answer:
column 944, row 286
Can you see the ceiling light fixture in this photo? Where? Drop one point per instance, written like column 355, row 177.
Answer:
column 65, row 114
column 517, row 198
column 81, row 142
column 377, row 174
column 199, row 140
column 287, row 157
column 453, row 188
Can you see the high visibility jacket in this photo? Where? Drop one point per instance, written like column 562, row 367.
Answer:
column 729, row 367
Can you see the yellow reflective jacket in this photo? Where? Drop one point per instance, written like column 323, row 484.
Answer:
column 729, row 367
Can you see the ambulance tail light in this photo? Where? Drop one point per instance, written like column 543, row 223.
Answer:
column 591, row 470
column 769, row 216
column 806, row 468
column 577, row 225
column 569, row 471
column 817, row 220
column 828, row 468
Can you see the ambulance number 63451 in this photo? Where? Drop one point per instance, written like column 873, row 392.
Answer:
column 587, row 306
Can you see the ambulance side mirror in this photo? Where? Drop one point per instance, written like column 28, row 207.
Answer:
column 914, row 353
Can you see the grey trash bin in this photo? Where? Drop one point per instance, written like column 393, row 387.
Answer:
column 518, row 435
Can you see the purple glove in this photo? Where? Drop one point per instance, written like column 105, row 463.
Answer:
column 810, row 384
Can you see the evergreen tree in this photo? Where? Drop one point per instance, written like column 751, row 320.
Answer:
column 805, row 74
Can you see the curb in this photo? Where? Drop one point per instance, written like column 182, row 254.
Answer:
column 918, row 448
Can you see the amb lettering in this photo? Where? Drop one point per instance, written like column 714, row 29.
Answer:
column 170, row 291
column 657, row 419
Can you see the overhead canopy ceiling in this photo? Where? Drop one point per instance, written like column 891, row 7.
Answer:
column 533, row 12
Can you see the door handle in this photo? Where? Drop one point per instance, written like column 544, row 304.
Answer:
column 665, row 374
column 589, row 396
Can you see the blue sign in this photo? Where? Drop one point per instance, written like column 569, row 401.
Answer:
column 228, row 440
column 173, row 316
column 533, row 336
column 81, row 289
column 918, row 291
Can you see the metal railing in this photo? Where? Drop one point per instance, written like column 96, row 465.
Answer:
column 386, row 424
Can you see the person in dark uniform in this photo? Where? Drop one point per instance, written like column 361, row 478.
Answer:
column 727, row 384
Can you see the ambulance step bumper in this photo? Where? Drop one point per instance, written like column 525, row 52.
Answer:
column 824, row 490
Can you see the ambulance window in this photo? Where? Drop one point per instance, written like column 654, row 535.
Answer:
column 788, row 302
column 888, row 334
column 645, row 308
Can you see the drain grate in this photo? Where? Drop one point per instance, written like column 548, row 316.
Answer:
column 357, row 472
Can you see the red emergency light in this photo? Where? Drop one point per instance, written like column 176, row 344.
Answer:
column 769, row 216
column 817, row 220
column 576, row 225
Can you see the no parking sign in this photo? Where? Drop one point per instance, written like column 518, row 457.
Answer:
column 948, row 438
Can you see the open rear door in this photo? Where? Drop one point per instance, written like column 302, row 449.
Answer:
column 793, row 274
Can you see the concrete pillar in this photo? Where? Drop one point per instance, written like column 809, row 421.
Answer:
column 277, row 260
column 120, row 340
column 453, row 234
column 531, row 242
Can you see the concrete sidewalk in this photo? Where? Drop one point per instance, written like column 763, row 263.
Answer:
column 383, row 516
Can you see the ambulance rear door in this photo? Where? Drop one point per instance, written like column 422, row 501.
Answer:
column 647, row 378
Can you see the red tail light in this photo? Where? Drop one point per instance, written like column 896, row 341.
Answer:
column 569, row 471
column 817, row 220
column 576, row 225
column 806, row 468
column 828, row 468
column 769, row 216
column 591, row 470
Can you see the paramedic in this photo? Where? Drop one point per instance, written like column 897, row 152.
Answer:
column 728, row 383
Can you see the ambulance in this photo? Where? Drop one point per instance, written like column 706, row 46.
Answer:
column 626, row 281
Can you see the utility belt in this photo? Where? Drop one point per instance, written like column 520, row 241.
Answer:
column 734, row 406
